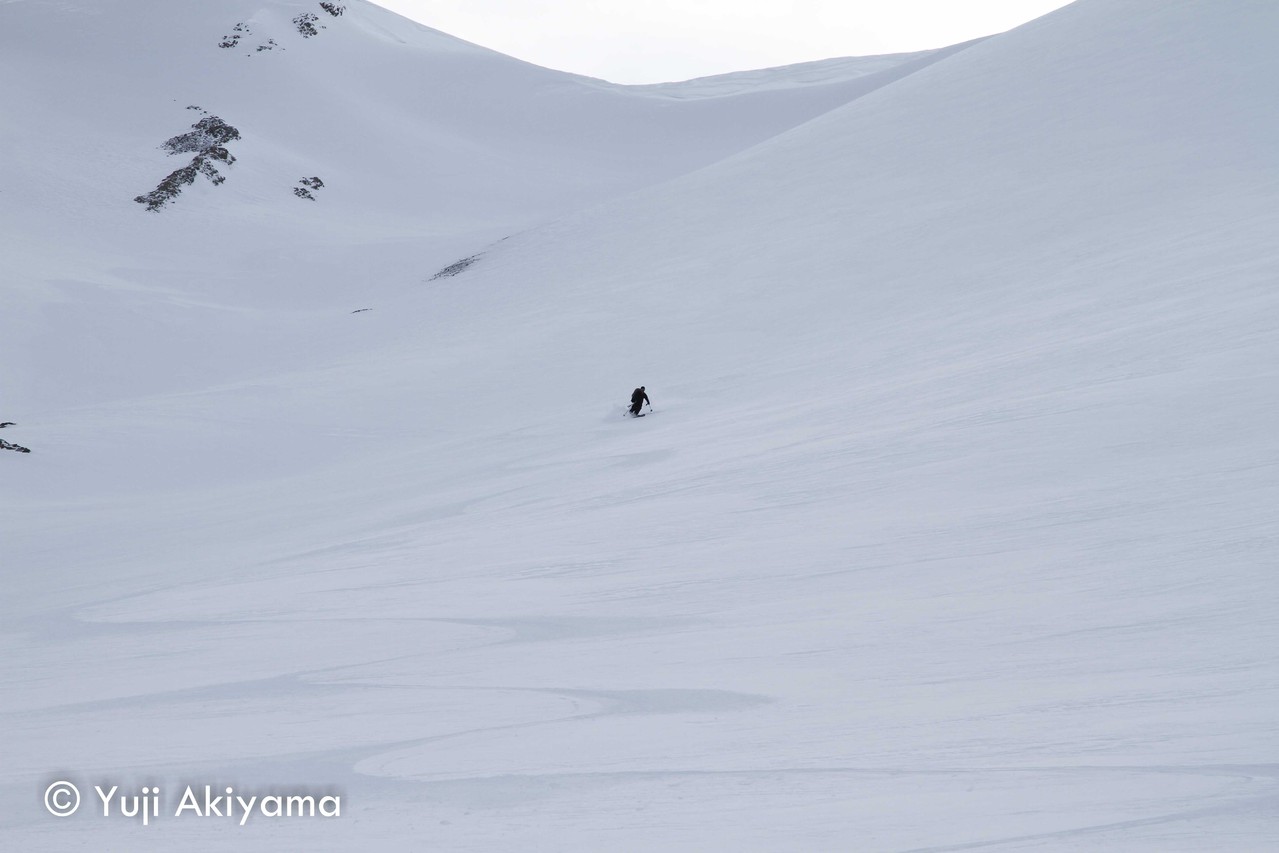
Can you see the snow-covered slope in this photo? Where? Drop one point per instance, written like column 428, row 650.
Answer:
column 952, row 527
column 415, row 126
column 428, row 149
column 827, row 72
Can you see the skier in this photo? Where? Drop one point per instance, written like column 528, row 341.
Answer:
column 638, row 398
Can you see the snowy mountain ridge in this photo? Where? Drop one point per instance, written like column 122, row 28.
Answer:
column 430, row 147
column 819, row 73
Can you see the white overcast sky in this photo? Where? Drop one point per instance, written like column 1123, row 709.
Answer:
column 650, row 41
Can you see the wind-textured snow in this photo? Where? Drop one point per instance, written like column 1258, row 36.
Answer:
column 953, row 526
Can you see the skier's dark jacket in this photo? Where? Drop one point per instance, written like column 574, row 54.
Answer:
column 638, row 398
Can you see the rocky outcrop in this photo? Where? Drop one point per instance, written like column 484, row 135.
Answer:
column 306, row 24
column 206, row 141
column 456, row 268
column 237, row 32
column 308, row 188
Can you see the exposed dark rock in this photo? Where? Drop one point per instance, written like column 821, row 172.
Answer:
column 207, row 140
column 239, row 30
column 308, row 184
column 306, row 24
column 207, row 133
column 456, row 268
column 334, row 9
